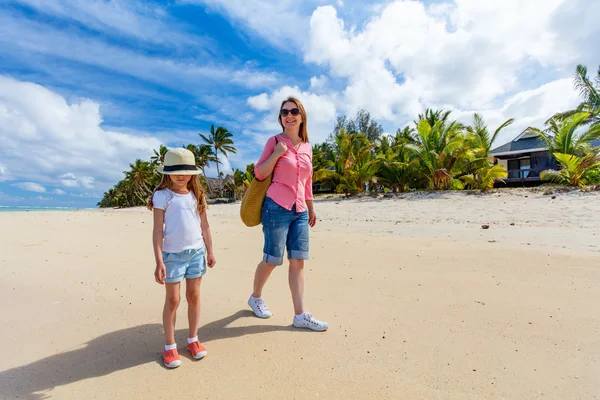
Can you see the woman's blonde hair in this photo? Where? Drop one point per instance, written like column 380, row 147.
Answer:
column 193, row 185
column 303, row 134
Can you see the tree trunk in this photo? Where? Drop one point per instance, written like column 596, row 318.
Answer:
column 219, row 175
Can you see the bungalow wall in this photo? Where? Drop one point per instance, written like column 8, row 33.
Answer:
column 527, row 166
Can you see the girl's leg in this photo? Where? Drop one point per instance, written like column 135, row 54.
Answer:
column 170, row 311
column 263, row 271
column 192, row 294
column 296, row 281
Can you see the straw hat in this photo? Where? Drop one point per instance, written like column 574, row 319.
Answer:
column 179, row 161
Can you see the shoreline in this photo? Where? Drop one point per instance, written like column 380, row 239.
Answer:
column 333, row 197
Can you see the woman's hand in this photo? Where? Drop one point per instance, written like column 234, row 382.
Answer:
column 280, row 149
column 312, row 217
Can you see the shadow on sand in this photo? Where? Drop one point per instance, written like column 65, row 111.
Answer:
column 113, row 352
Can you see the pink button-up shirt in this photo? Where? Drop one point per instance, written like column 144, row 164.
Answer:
column 292, row 177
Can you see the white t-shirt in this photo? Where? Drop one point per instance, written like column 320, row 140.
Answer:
column 182, row 230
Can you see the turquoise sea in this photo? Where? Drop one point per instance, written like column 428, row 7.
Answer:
column 25, row 208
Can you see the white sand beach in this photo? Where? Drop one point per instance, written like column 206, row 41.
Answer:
column 421, row 301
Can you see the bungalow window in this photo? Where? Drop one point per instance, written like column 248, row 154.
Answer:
column 519, row 168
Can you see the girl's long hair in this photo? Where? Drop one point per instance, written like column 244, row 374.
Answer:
column 303, row 134
column 193, row 185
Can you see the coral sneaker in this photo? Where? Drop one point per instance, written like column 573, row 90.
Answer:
column 197, row 349
column 171, row 358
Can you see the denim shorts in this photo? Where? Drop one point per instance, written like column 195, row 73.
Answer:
column 188, row 264
column 284, row 228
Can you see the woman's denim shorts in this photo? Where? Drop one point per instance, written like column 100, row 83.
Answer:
column 284, row 228
column 189, row 264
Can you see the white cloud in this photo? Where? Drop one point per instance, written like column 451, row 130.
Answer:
column 466, row 53
column 70, row 180
column 318, row 84
column 4, row 175
column 320, row 110
column 30, row 186
column 259, row 102
column 145, row 22
column 502, row 59
column 62, row 143
column 340, row 3
column 18, row 36
column 282, row 23
column 59, row 192
column 528, row 108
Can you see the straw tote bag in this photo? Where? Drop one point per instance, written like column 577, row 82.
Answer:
column 251, row 208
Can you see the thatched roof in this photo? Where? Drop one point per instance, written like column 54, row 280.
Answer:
column 213, row 183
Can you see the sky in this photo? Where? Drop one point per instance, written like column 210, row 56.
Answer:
column 89, row 86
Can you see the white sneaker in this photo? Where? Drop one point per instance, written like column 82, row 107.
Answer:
column 259, row 307
column 307, row 321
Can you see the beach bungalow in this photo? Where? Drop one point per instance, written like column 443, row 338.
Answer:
column 524, row 158
column 213, row 186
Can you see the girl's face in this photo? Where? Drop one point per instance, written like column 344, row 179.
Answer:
column 180, row 181
column 290, row 121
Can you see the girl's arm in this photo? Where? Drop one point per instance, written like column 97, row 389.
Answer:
column 210, row 257
column 157, row 241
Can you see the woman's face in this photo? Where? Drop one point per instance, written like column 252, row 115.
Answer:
column 290, row 121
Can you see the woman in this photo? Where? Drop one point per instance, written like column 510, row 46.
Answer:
column 287, row 211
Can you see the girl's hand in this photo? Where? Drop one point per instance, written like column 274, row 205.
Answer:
column 312, row 217
column 280, row 149
column 160, row 273
column 210, row 260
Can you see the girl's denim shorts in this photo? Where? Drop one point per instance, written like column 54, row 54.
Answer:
column 284, row 229
column 189, row 264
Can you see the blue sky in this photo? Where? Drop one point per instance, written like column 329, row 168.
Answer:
column 88, row 86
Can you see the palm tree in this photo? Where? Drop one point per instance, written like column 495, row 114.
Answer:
column 441, row 151
column 397, row 167
column 480, row 136
column 480, row 170
column 485, row 177
column 140, row 177
column 322, row 155
column 205, row 155
column 576, row 170
column 353, row 165
column 221, row 142
column 159, row 156
column 404, row 136
column 589, row 91
column 562, row 134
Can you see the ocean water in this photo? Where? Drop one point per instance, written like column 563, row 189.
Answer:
column 26, row 208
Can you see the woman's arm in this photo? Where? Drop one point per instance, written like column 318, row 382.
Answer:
column 312, row 215
column 210, row 257
column 157, row 241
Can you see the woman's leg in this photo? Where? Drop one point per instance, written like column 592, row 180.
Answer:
column 263, row 271
column 297, row 247
column 296, row 282
column 172, row 299
column 192, row 294
column 275, row 224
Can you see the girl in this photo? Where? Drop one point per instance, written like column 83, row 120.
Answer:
column 287, row 211
column 182, row 246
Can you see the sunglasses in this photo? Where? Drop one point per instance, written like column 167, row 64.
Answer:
column 293, row 111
